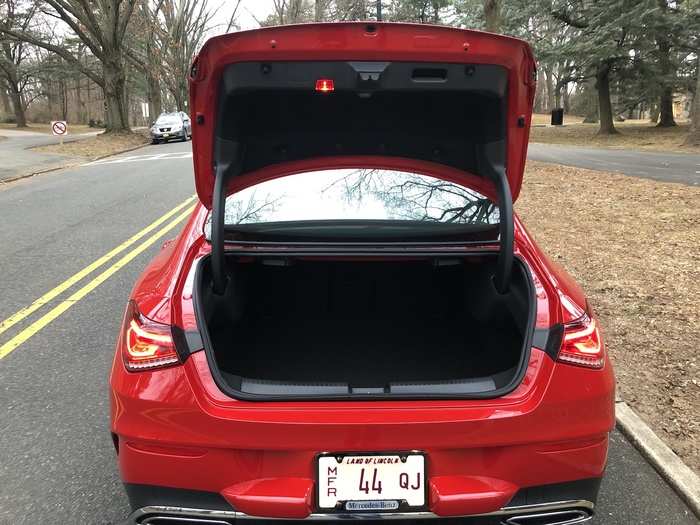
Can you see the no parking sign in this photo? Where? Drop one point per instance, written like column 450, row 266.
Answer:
column 59, row 127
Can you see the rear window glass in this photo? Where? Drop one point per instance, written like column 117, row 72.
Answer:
column 385, row 199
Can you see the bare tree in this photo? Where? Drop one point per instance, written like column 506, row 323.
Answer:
column 289, row 12
column 150, row 64
column 102, row 26
column 232, row 21
column 173, row 31
column 185, row 23
column 13, row 55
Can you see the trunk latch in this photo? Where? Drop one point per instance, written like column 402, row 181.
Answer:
column 369, row 73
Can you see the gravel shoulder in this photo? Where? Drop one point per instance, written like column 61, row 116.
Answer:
column 633, row 246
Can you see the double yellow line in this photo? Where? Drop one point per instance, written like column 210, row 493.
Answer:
column 57, row 310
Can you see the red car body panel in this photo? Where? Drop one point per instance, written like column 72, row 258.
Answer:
column 175, row 428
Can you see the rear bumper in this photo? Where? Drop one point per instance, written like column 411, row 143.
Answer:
column 176, row 429
column 565, row 503
column 558, row 513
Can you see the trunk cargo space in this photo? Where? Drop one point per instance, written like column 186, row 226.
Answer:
column 415, row 328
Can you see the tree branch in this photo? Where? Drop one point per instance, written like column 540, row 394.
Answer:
column 60, row 51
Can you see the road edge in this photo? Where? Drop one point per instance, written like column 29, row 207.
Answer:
column 669, row 466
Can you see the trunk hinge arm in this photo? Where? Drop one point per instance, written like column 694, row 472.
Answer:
column 504, row 264
column 218, row 209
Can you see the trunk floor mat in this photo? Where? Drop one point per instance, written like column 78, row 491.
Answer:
column 365, row 352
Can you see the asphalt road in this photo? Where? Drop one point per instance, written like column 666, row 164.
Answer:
column 667, row 167
column 57, row 463
column 18, row 159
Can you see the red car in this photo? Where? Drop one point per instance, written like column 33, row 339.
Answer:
column 354, row 324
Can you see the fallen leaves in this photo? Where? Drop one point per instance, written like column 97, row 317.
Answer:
column 634, row 246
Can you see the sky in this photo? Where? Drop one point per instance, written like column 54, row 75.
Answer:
column 248, row 12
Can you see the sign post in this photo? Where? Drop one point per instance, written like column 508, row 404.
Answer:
column 60, row 128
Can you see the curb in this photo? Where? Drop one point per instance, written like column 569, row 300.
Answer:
column 33, row 173
column 669, row 466
column 69, row 165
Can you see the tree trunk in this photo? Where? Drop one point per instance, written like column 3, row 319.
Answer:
column 666, row 119
column 540, row 92
column 567, row 99
column 605, row 109
column 693, row 138
column 18, row 106
column 79, row 99
column 116, row 113
column 318, row 11
column 550, row 89
column 63, row 91
column 155, row 101
column 653, row 113
column 179, row 98
column 492, row 15
column 668, row 72
column 6, row 107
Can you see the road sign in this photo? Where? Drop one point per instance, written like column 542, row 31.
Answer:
column 59, row 127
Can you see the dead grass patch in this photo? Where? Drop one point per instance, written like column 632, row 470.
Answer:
column 99, row 145
column 634, row 134
column 542, row 119
column 633, row 244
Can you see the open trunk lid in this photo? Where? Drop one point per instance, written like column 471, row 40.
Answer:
column 283, row 100
column 262, row 100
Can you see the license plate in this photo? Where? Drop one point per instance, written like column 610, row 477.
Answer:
column 166, row 134
column 371, row 482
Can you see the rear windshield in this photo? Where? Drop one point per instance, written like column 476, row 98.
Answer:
column 359, row 203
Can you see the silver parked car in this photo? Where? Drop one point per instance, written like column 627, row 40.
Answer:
column 168, row 126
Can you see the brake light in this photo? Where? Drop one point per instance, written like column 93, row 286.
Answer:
column 582, row 344
column 325, row 85
column 147, row 344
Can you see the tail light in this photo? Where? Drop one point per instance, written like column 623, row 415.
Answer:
column 147, row 344
column 582, row 344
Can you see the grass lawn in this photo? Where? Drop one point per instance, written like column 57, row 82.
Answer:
column 632, row 244
column 99, row 145
column 633, row 134
column 73, row 129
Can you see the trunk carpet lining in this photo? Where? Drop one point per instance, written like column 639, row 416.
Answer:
column 365, row 324
column 364, row 352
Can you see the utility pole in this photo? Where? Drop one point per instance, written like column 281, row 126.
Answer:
column 379, row 10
